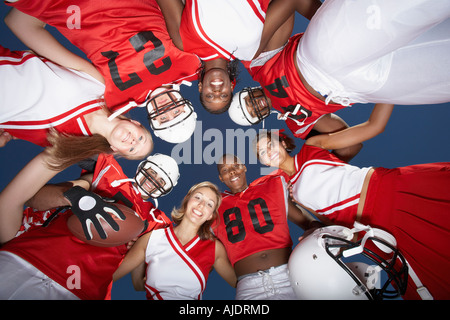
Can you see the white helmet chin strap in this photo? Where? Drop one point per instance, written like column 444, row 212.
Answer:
column 124, row 109
column 116, row 183
column 422, row 291
column 370, row 232
column 153, row 215
column 177, row 86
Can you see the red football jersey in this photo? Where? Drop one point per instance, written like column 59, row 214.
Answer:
column 282, row 84
column 255, row 219
column 83, row 269
column 126, row 40
column 107, row 171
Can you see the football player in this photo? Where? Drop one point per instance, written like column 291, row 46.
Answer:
column 126, row 41
column 253, row 227
column 305, row 84
column 38, row 246
column 409, row 202
column 251, row 106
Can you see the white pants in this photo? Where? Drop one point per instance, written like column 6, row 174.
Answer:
column 22, row 281
column 270, row 284
column 370, row 51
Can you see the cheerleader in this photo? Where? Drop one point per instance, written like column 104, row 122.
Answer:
column 63, row 109
column 179, row 258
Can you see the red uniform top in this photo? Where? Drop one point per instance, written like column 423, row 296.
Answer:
column 126, row 40
column 83, row 269
column 106, row 172
column 255, row 219
column 283, row 86
column 208, row 28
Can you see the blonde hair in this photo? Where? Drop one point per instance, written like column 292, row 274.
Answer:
column 204, row 232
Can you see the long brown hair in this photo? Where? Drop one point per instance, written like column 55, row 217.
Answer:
column 66, row 150
column 204, row 231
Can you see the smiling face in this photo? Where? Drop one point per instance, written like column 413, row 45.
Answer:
column 232, row 173
column 271, row 152
column 150, row 182
column 215, row 89
column 201, row 206
column 165, row 101
column 131, row 140
column 257, row 104
column 156, row 176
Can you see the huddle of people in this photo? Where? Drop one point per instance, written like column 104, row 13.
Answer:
column 141, row 53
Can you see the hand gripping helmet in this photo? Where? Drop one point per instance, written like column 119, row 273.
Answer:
column 239, row 113
column 148, row 171
column 181, row 126
column 328, row 264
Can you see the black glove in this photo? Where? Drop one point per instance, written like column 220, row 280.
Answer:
column 89, row 208
column 88, row 164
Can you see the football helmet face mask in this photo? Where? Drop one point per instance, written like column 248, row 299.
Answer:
column 174, row 121
column 157, row 175
column 249, row 106
column 320, row 266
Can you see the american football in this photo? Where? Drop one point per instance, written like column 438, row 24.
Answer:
column 129, row 229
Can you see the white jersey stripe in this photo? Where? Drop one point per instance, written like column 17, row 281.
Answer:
column 181, row 252
column 313, row 162
column 259, row 11
column 339, row 206
column 33, row 125
column 82, row 126
column 202, row 34
column 193, row 244
column 5, row 60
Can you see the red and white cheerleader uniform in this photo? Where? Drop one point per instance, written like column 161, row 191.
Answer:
column 176, row 271
column 411, row 203
column 223, row 29
column 37, row 95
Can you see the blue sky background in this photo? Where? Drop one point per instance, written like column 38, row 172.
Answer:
column 415, row 134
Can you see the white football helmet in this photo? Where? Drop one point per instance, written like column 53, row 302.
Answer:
column 157, row 165
column 238, row 111
column 320, row 266
column 181, row 126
